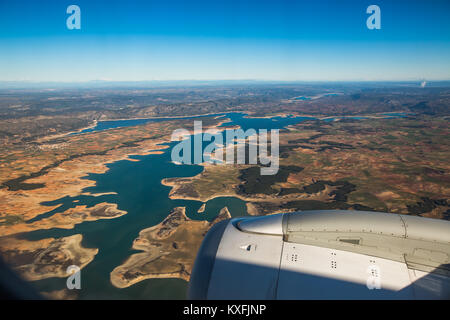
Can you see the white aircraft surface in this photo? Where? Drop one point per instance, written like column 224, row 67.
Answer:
column 329, row 254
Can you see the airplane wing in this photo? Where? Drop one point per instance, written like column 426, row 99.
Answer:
column 327, row 254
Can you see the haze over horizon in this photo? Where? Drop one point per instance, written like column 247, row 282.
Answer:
column 227, row 40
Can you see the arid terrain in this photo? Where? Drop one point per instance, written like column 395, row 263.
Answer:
column 168, row 249
column 392, row 165
column 396, row 165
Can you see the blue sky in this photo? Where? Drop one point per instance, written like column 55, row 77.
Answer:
column 224, row 39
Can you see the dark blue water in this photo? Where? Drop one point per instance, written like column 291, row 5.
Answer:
column 240, row 119
column 236, row 118
column 112, row 124
column 302, row 98
column 141, row 194
column 246, row 122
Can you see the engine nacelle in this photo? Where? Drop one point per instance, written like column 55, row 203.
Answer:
column 329, row 254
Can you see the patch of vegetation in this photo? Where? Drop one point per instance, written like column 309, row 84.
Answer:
column 286, row 191
column 368, row 199
column 255, row 183
column 10, row 220
column 321, row 205
column 426, row 205
column 340, row 194
column 215, row 180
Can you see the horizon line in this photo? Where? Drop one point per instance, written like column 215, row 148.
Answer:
column 214, row 80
